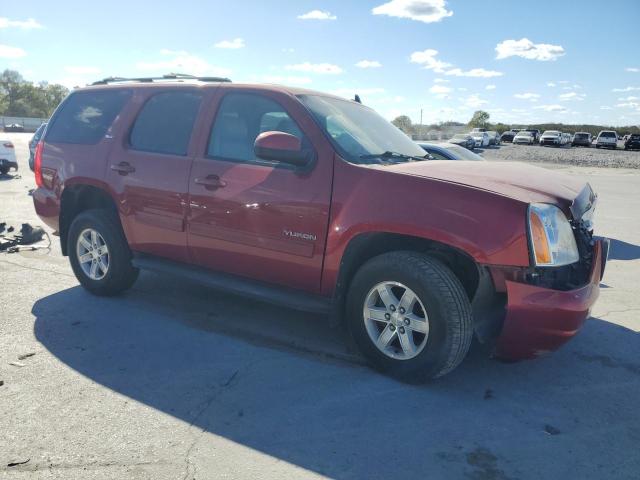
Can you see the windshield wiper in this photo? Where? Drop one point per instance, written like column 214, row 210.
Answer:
column 392, row 155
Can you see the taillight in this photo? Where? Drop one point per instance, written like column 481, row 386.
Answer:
column 37, row 164
column 7, row 145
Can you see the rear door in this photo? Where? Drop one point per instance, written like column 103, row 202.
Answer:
column 255, row 218
column 149, row 167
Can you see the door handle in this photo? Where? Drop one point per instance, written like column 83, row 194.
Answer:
column 123, row 168
column 211, row 182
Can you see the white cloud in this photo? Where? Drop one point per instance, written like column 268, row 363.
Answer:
column 441, row 80
column 230, row 44
column 490, row 87
column 287, row 80
column 525, row 48
column 628, row 99
column 474, row 101
column 79, row 70
column 183, row 62
column 626, row 89
column 368, row 64
column 551, row 84
column 462, row 89
column 552, row 108
column 427, row 58
column 27, row 24
column 572, row 96
column 439, row 89
column 632, row 69
column 323, row 68
column 605, row 107
column 427, row 11
column 11, row 52
column 317, row 15
column 527, row 96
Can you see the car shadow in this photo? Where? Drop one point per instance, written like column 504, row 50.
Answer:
column 172, row 346
column 9, row 176
column 620, row 250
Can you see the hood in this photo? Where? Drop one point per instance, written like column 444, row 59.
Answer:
column 519, row 181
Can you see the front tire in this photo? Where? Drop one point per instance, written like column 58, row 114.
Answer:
column 410, row 316
column 99, row 253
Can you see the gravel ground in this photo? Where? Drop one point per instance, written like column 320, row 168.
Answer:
column 579, row 156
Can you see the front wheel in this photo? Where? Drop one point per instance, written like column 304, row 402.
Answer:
column 99, row 253
column 409, row 316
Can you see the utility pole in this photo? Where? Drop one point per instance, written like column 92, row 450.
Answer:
column 421, row 117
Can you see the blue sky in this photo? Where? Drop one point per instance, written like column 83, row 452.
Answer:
column 570, row 61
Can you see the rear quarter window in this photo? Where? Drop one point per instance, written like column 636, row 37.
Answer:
column 85, row 117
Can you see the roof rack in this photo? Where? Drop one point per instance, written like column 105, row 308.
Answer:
column 169, row 76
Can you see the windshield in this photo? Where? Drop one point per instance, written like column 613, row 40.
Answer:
column 553, row 133
column 356, row 130
column 462, row 152
column 524, row 134
column 608, row 134
column 460, row 136
column 477, row 134
column 582, row 135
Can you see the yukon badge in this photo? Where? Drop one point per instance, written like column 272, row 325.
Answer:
column 305, row 236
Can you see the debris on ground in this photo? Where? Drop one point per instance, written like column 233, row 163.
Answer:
column 11, row 242
column 1, row 383
column 551, row 430
column 18, row 364
column 15, row 464
column 26, row 355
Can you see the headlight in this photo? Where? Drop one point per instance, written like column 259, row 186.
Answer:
column 551, row 235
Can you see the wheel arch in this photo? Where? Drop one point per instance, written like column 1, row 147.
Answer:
column 365, row 246
column 77, row 198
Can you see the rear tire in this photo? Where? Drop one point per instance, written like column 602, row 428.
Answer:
column 4, row 170
column 99, row 253
column 441, row 302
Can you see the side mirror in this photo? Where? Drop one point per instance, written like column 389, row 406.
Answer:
column 280, row 147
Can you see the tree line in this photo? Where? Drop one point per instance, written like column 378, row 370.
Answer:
column 21, row 98
column 480, row 119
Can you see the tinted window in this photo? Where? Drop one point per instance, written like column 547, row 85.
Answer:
column 240, row 119
column 607, row 134
column 165, row 123
column 85, row 116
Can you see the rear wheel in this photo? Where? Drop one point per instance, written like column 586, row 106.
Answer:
column 99, row 253
column 4, row 170
column 409, row 316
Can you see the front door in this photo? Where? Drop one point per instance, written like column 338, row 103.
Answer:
column 256, row 218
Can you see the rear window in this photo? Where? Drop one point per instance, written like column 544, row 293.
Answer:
column 85, row 117
column 607, row 134
column 634, row 137
column 165, row 123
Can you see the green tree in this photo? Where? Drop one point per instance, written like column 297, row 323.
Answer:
column 403, row 123
column 480, row 119
column 20, row 98
column 11, row 88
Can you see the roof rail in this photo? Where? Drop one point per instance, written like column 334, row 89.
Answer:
column 169, row 76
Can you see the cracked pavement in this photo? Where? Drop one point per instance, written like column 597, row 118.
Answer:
column 176, row 381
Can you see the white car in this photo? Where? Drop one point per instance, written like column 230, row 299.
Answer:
column 553, row 137
column 7, row 157
column 481, row 139
column 524, row 137
column 607, row 139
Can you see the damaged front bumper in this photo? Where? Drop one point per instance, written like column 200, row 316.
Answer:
column 539, row 320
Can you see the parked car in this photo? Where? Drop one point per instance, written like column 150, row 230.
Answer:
column 552, row 137
column 535, row 133
column 7, row 157
column 309, row 200
column 524, row 138
column 632, row 142
column 607, row 139
column 479, row 130
column 582, row 139
column 494, row 138
column 464, row 140
column 34, row 141
column 14, row 127
column 508, row 136
column 481, row 139
column 449, row 151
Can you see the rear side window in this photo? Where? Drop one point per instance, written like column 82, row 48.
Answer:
column 165, row 123
column 85, row 117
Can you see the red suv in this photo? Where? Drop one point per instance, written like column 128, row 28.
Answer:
column 308, row 200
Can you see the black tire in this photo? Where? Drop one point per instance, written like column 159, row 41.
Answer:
column 4, row 170
column 447, row 308
column 121, row 275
